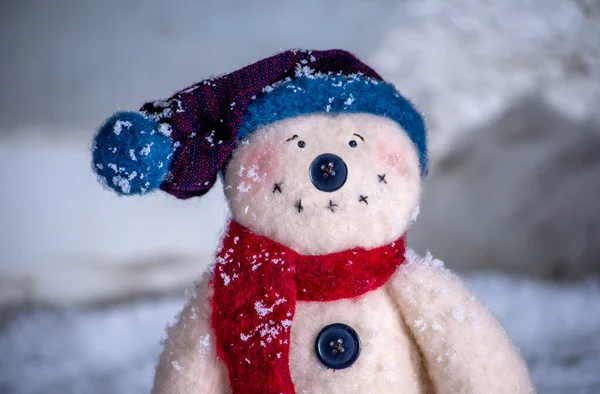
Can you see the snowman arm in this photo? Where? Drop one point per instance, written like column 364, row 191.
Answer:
column 188, row 363
column 464, row 347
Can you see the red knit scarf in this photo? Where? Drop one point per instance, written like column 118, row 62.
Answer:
column 256, row 284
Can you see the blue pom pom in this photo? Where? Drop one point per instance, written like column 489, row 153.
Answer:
column 130, row 154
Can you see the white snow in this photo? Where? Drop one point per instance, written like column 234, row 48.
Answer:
column 350, row 100
column 122, row 182
column 226, row 278
column 556, row 326
column 262, row 310
column 145, row 151
column 119, row 124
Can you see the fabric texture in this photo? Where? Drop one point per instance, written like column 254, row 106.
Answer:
column 204, row 119
column 463, row 346
column 130, row 153
column 256, row 285
column 312, row 92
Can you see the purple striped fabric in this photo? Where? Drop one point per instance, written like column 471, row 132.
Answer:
column 204, row 118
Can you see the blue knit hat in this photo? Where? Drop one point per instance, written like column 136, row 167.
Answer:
column 182, row 143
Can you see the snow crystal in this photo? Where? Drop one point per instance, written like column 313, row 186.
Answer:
column 270, row 331
column 205, row 342
column 132, row 154
column 119, row 124
column 226, row 278
column 236, row 239
column 415, row 214
column 113, row 167
column 253, row 173
column 413, row 258
column 210, row 137
column 245, row 337
column 179, row 106
column 437, row 327
column 420, row 324
column 123, row 183
column 262, row 310
column 165, row 129
column 458, row 314
column 145, row 151
column 286, row 323
column 270, row 88
column 243, row 187
column 99, row 166
column 248, row 361
column 176, row 365
column 433, row 261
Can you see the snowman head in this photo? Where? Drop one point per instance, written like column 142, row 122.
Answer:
column 322, row 183
column 315, row 150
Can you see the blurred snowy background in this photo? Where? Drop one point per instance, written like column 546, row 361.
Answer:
column 511, row 91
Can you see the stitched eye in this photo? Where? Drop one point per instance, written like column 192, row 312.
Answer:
column 352, row 144
column 301, row 144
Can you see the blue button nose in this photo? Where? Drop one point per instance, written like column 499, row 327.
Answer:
column 328, row 172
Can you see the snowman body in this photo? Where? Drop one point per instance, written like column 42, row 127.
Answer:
column 419, row 332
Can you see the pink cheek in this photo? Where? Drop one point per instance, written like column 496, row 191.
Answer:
column 262, row 165
column 394, row 158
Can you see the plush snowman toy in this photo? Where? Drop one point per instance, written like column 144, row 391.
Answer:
column 312, row 290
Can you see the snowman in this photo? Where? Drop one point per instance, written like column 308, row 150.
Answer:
column 312, row 289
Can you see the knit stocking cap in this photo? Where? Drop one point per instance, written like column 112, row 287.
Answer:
column 257, row 282
column 182, row 143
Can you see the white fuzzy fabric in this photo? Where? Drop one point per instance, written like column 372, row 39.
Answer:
column 421, row 332
column 115, row 349
column 266, row 158
column 464, row 347
column 389, row 361
column 188, row 363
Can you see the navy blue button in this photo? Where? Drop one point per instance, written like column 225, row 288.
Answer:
column 328, row 172
column 337, row 346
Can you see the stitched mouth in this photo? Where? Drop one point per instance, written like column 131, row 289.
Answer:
column 331, row 206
